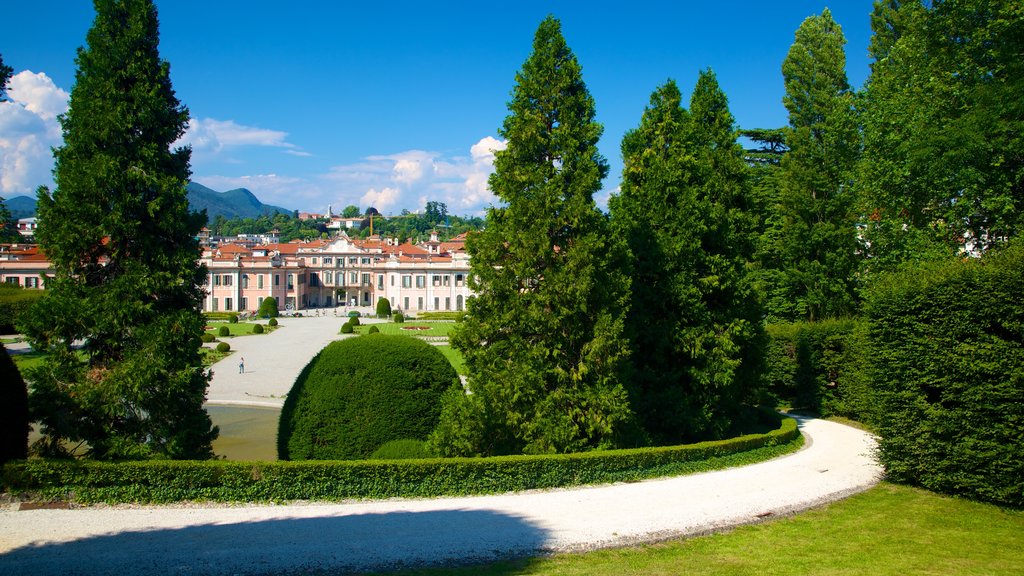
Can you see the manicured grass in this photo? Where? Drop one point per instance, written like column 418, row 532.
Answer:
column 239, row 329
column 406, row 328
column 455, row 358
column 211, row 356
column 889, row 529
column 28, row 360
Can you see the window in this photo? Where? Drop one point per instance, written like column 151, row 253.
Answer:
column 436, row 280
column 12, row 280
column 277, row 279
column 245, row 280
column 447, row 279
column 353, row 260
column 448, row 303
column 227, row 304
column 291, row 281
column 406, row 306
column 353, row 278
column 380, row 281
column 244, row 304
column 216, row 280
column 214, row 304
column 259, row 302
column 421, row 281
column 406, row 282
column 328, row 278
column 31, row 282
column 364, row 260
column 328, row 260
column 458, row 302
column 259, row 280
column 392, row 279
column 313, row 259
column 437, row 303
column 314, row 279
column 419, row 303
column 227, row 280
column 366, row 279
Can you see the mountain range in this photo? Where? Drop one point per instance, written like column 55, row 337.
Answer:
column 237, row 203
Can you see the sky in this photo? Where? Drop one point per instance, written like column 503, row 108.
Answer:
column 394, row 104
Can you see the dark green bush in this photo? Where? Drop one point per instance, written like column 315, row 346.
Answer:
column 160, row 481
column 373, row 330
column 359, row 393
column 13, row 411
column 223, row 346
column 272, row 322
column 217, row 316
column 233, row 318
column 223, row 331
column 14, row 301
column 346, row 328
column 355, row 314
column 354, row 321
column 398, row 318
column 383, row 307
column 947, row 344
column 207, row 337
column 819, row 367
column 268, row 308
column 401, row 450
column 257, row 329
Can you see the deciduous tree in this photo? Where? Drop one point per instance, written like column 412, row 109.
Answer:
column 543, row 337
column 121, row 320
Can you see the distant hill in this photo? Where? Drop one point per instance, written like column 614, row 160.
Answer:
column 21, row 206
column 237, row 203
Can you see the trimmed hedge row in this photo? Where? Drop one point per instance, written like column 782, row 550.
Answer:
column 164, row 481
column 822, row 367
column 13, row 302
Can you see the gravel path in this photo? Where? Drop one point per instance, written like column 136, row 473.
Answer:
column 378, row 535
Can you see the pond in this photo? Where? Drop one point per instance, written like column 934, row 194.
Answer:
column 246, row 432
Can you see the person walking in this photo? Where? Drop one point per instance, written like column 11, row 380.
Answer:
column 241, row 366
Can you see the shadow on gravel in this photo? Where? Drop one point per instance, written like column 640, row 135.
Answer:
column 333, row 544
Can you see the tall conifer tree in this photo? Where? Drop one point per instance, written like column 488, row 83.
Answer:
column 542, row 339
column 121, row 238
column 818, row 239
column 694, row 323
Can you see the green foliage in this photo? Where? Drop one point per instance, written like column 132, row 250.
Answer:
column 694, row 325
column 820, row 367
column 223, row 331
column 373, row 330
column 223, row 347
column 398, row 318
column 816, row 247
column 170, row 481
column 207, row 337
column 268, row 309
column 359, row 393
column 350, row 211
column 5, row 76
column 383, row 307
column 947, row 342
column 354, row 321
column 354, row 314
column 233, row 318
column 272, row 322
column 257, row 329
column 401, row 450
column 543, row 337
column 14, row 420
column 14, row 302
column 346, row 328
column 457, row 316
column 121, row 239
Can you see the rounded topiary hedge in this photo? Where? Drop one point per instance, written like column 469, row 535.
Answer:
column 207, row 337
column 398, row 318
column 272, row 322
column 360, row 393
column 383, row 307
column 373, row 330
column 346, row 328
column 223, row 347
column 257, row 329
column 268, row 308
column 223, row 331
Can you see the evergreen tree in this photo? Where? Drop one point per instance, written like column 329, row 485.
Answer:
column 543, row 337
column 694, row 323
column 121, row 239
column 818, row 242
column 14, row 421
column 5, row 76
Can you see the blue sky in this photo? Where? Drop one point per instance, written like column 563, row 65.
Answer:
column 395, row 104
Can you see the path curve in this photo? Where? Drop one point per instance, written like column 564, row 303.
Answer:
column 151, row 540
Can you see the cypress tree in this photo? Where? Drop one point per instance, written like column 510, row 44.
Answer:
column 121, row 238
column 818, row 241
column 543, row 336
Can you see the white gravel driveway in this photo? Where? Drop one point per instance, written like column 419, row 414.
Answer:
column 385, row 534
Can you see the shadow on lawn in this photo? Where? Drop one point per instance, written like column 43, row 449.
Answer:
column 333, row 544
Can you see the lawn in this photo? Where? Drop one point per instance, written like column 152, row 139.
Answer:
column 418, row 328
column 238, row 329
column 455, row 357
column 889, row 529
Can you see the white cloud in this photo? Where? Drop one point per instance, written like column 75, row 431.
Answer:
column 28, row 130
column 384, row 200
column 210, row 137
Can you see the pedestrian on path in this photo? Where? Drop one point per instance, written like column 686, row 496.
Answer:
column 241, row 366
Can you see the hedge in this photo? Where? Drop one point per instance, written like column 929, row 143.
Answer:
column 14, row 301
column 947, row 344
column 162, row 481
column 820, row 367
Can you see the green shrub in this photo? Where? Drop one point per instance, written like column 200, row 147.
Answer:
column 207, row 337
column 268, row 308
column 359, row 393
column 355, row 314
column 257, row 328
column 223, row 331
column 449, row 315
column 819, row 367
column 272, row 322
column 223, row 346
column 346, row 328
column 354, row 320
column 383, row 307
column 401, row 450
column 373, row 330
column 398, row 318
column 161, row 481
column 14, row 420
column 947, row 344
column 14, row 301
column 233, row 318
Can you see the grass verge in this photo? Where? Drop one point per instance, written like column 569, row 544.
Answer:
column 417, row 328
column 455, row 358
column 888, row 530
column 238, row 329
